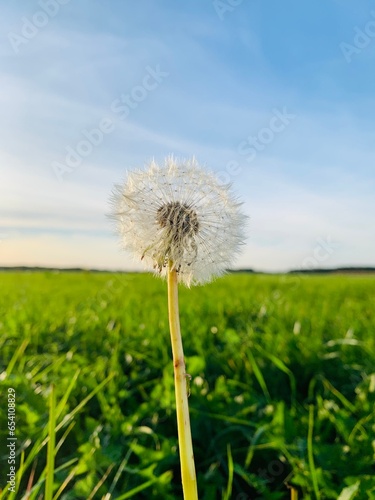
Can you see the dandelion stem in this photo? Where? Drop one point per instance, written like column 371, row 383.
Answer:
column 189, row 482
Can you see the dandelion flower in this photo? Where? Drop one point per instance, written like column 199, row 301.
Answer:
column 179, row 212
column 179, row 219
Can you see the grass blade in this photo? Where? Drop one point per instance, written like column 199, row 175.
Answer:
column 141, row 487
column 51, row 445
column 228, row 493
column 281, row 366
column 258, row 375
column 310, row 453
column 18, row 353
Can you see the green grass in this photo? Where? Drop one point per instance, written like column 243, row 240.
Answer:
column 282, row 388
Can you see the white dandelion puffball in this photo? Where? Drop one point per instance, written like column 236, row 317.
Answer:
column 179, row 212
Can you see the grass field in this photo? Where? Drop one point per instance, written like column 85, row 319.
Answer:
column 282, row 386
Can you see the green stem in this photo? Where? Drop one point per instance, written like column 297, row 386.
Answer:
column 189, row 482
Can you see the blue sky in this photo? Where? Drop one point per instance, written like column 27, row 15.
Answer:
column 277, row 97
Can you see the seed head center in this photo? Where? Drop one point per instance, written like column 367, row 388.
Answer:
column 178, row 218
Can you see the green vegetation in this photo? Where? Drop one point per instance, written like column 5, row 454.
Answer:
column 282, row 386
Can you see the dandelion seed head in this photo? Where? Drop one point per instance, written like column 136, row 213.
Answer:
column 180, row 219
column 179, row 212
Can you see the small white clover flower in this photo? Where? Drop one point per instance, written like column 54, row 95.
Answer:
column 179, row 212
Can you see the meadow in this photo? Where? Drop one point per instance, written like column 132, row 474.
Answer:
column 282, row 386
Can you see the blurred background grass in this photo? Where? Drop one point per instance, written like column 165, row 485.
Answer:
column 282, row 384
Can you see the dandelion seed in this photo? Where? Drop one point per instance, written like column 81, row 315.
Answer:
column 179, row 212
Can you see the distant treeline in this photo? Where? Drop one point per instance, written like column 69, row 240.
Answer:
column 348, row 270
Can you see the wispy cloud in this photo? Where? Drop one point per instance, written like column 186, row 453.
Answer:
column 223, row 82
